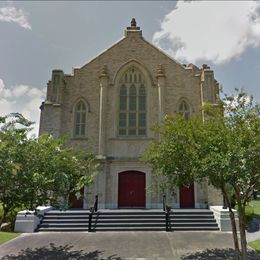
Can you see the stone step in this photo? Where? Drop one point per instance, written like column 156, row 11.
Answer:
column 128, row 229
column 193, row 224
column 66, row 217
column 104, row 220
column 193, row 220
column 68, row 229
column 199, row 228
column 131, row 224
column 128, row 216
column 63, row 229
column 71, row 211
column 192, row 215
column 134, row 220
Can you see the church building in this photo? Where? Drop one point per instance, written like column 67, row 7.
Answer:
column 109, row 107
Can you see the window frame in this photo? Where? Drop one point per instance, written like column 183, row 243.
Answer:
column 81, row 115
column 184, row 109
column 129, row 122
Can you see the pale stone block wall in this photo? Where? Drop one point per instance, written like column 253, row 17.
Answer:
column 222, row 218
column 178, row 83
column 214, row 196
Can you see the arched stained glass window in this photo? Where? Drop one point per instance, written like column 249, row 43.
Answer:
column 184, row 110
column 142, row 111
column 80, row 119
column 132, row 104
column 122, row 109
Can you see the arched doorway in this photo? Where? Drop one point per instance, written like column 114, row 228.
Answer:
column 131, row 189
column 187, row 196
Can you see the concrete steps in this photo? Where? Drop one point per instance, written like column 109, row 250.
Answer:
column 128, row 220
column 192, row 220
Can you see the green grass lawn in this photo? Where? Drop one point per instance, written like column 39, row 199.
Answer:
column 253, row 208
column 255, row 245
column 5, row 236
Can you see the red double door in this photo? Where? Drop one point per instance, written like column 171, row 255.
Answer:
column 131, row 189
column 187, row 196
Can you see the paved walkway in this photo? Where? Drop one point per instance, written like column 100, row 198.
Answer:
column 121, row 245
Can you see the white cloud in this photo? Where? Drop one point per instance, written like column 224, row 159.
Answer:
column 217, row 31
column 23, row 99
column 20, row 90
column 13, row 15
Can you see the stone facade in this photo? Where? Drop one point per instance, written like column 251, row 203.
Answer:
column 168, row 84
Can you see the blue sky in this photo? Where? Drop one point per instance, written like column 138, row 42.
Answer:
column 37, row 37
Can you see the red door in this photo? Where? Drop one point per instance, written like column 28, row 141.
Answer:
column 76, row 203
column 131, row 189
column 187, row 196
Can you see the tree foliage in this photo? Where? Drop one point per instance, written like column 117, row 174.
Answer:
column 223, row 148
column 38, row 171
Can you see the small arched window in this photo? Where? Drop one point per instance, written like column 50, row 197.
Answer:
column 80, row 119
column 132, row 104
column 184, row 110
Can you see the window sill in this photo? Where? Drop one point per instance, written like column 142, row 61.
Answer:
column 79, row 138
column 131, row 138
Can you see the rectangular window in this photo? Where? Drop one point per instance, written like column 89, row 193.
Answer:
column 141, row 132
column 83, row 118
column 77, row 129
column 132, row 132
column 132, row 120
column 77, row 118
column 122, row 120
column 142, row 120
column 142, row 103
column 132, row 103
column 122, row 131
column 82, row 129
column 123, row 100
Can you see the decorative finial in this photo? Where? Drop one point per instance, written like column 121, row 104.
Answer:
column 133, row 29
column 133, row 22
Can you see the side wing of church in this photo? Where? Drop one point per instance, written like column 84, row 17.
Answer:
column 109, row 106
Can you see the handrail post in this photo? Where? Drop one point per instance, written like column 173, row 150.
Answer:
column 164, row 202
column 167, row 220
column 89, row 221
column 96, row 203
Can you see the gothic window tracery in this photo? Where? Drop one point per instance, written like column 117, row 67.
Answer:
column 184, row 110
column 80, row 119
column 132, row 104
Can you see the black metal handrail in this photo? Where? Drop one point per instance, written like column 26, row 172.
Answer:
column 92, row 210
column 96, row 203
column 167, row 221
column 164, row 202
column 166, row 210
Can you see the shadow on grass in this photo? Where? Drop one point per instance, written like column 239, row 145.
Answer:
column 256, row 215
column 253, row 225
column 218, row 254
column 53, row 252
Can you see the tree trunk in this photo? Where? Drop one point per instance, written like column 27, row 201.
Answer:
column 242, row 225
column 233, row 223
column 3, row 217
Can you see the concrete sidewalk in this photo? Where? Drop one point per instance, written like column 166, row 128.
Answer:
column 121, row 245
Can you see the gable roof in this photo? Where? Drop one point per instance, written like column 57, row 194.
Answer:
column 133, row 29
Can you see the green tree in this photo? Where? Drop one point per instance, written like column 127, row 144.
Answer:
column 53, row 171
column 224, row 149
column 38, row 171
column 13, row 136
